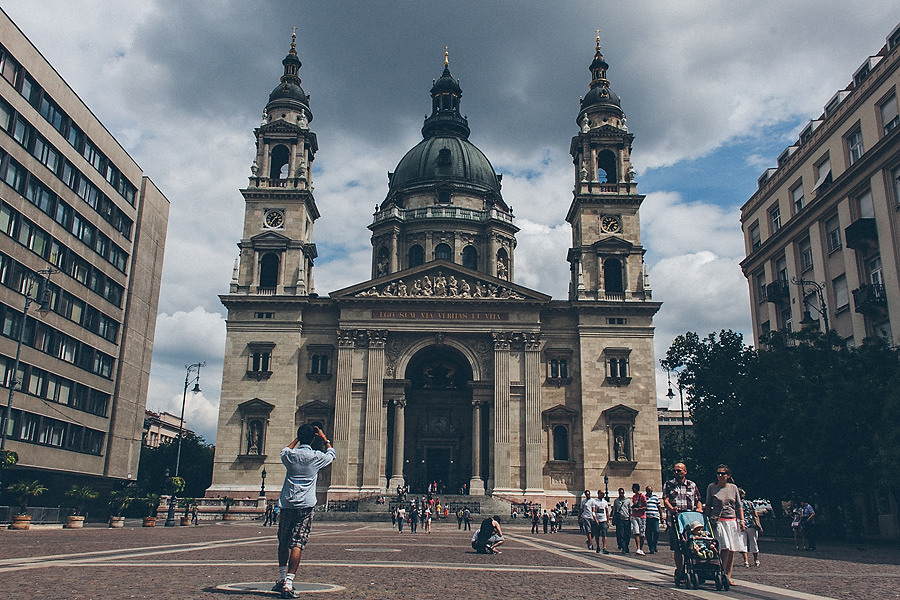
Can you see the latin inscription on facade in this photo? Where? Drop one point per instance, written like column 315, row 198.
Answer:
column 439, row 315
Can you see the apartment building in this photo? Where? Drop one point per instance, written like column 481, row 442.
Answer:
column 82, row 228
column 821, row 232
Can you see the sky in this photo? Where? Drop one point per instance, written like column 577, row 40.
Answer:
column 713, row 92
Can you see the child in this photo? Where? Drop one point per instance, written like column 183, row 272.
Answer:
column 701, row 542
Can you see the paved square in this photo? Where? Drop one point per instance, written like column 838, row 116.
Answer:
column 373, row 560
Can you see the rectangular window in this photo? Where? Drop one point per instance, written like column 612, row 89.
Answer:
column 855, row 145
column 760, row 278
column 823, row 174
column 755, row 238
column 775, row 218
column 36, row 382
column 797, row 198
column 9, row 69
column 895, row 184
column 865, row 205
column 841, row 293
column 781, row 271
column 260, row 362
column 46, row 153
column 75, row 137
column 22, row 131
column 890, row 116
column 806, row 257
column 15, row 176
column 874, row 271
column 5, row 115
column 7, row 220
column 787, row 324
column 52, row 113
column 833, row 233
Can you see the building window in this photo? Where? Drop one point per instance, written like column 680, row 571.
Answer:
column 855, row 145
column 616, row 321
column 841, row 293
column 560, row 443
column 895, row 179
column 268, row 271
column 618, row 371
column 259, row 364
column 775, row 218
column 557, row 360
column 797, row 197
column 612, row 277
column 416, row 256
column 443, row 252
column 254, row 428
column 823, row 175
column 760, row 278
column 320, row 362
column 279, row 160
column 787, row 323
column 833, row 233
column 755, row 238
column 781, row 271
column 874, row 271
column 806, row 257
column 889, row 114
column 470, row 258
column 865, row 205
column 264, row 315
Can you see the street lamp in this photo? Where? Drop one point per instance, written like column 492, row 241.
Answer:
column 821, row 309
column 187, row 381
column 170, row 515
column 43, row 299
column 670, row 394
column 262, row 486
column 606, row 486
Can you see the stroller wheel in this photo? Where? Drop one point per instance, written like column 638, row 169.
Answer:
column 695, row 581
column 718, row 581
column 725, row 585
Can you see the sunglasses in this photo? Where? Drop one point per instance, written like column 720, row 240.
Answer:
column 722, row 474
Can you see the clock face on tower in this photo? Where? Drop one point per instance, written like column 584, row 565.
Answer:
column 609, row 224
column 274, row 219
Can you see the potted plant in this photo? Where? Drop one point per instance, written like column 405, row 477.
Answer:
column 80, row 495
column 186, row 504
column 227, row 501
column 119, row 500
column 151, row 501
column 23, row 491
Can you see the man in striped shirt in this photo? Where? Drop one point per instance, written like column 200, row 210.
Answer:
column 652, row 520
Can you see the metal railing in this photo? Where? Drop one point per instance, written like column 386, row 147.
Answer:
column 38, row 514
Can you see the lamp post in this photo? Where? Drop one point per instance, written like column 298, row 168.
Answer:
column 821, row 309
column 187, row 381
column 43, row 299
column 262, row 486
column 606, row 486
column 170, row 515
column 670, row 394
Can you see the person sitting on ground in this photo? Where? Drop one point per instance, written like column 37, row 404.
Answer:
column 488, row 537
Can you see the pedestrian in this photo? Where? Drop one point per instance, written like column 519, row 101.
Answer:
column 752, row 529
column 546, row 520
column 427, row 520
column 652, row 521
column 401, row 516
column 413, row 519
column 488, row 536
column 622, row 518
column 808, row 524
column 535, row 520
column 680, row 494
column 723, row 507
column 297, row 500
column 553, row 521
column 600, row 521
column 394, row 517
column 467, row 520
column 638, row 517
column 586, row 518
column 268, row 515
column 459, row 518
column 194, row 514
column 796, row 517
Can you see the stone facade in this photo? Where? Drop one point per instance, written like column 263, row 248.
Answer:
column 441, row 368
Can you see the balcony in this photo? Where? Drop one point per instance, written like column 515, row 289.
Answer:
column 870, row 298
column 778, row 291
column 862, row 234
column 442, row 212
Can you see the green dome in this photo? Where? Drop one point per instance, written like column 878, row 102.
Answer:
column 445, row 159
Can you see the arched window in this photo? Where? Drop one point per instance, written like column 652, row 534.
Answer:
column 279, row 162
column 560, row 443
column 606, row 162
column 416, row 256
column 470, row 258
column 268, row 270
column 612, row 276
column 443, row 252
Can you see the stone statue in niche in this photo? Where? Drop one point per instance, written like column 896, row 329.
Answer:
column 585, row 124
column 621, row 451
column 382, row 268
column 254, row 438
column 502, row 269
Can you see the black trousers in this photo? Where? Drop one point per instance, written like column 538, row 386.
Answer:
column 623, row 533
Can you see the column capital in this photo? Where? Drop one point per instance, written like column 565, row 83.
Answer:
column 346, row 338
column 502, row 340
column 532, row 341
column 399, row 402
column 478, row 403
column 376, row 337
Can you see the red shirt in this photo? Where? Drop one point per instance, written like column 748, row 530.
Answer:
column 639, row 506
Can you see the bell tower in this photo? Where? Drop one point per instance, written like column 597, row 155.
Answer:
column 276, row 249
column 606, row 257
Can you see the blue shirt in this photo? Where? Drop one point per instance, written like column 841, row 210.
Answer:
column 303, row 465
column 653, row 507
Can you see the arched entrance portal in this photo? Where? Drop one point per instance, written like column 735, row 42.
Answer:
column 438, row 415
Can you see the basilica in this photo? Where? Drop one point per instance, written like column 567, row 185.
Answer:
column 440, row 367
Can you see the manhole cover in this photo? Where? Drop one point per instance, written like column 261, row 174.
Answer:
column 266, row 587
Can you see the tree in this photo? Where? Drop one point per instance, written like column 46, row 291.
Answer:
column 195, row 467
column 81, row 495
column 24, row 491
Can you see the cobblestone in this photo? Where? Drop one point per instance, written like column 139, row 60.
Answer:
column 372, row 560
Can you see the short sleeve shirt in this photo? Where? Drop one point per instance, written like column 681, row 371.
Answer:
column 587, row 509
column 652, row 507
column 683, row 496
column 601, row 507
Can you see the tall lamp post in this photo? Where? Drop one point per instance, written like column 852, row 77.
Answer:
column 821, row 309
column 42, row 297
column 189, row 378
column 670, row 394
column 262, row 486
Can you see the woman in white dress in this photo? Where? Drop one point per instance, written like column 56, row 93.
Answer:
column 723, row 507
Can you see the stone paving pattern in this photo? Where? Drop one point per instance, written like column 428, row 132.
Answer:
column 372, row 560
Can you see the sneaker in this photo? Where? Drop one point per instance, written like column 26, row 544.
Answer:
column 278, row 585
column 590, row 546
column 639, row 551
column 756, row 563
column 746, row 564
column 290, row 592
column 605, row 551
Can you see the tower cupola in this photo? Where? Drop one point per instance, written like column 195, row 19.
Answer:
column 600, row 99
column 445, row 119
column 289, row 94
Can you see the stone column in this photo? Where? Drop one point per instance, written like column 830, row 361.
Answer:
column 476, row 484
column 374, row 396
column 399, row 444
column 342, row 408
column 501, row 448
column 395, row 253
column 533, row 449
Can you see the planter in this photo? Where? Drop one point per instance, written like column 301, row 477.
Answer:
column 185, row 521
column 20, row 522
column 74, row 522
column 149, row 522
column 117, row 522
column 228, row 517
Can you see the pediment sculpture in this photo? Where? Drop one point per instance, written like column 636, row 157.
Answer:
column 440, row 286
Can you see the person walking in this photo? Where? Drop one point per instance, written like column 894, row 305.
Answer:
column 638, row 517
column 426, row 519
column 680, row 494
column 723, row 507
column 545, row 518
column 297, row 500
column 401, row 517
column 652, row 521
column 600, row 522
column 808, row 524
column 752, row 529
column 459, row 517
column 622, row 516
column 535, row 520
column 413, row 519
column 587, row 518
column 268, row 515
column 467, row 520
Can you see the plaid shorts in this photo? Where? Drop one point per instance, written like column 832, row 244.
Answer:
column 293, row 527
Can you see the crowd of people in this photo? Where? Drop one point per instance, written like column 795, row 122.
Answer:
column 423, row 510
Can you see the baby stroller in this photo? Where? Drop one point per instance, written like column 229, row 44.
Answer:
column 700, row 550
